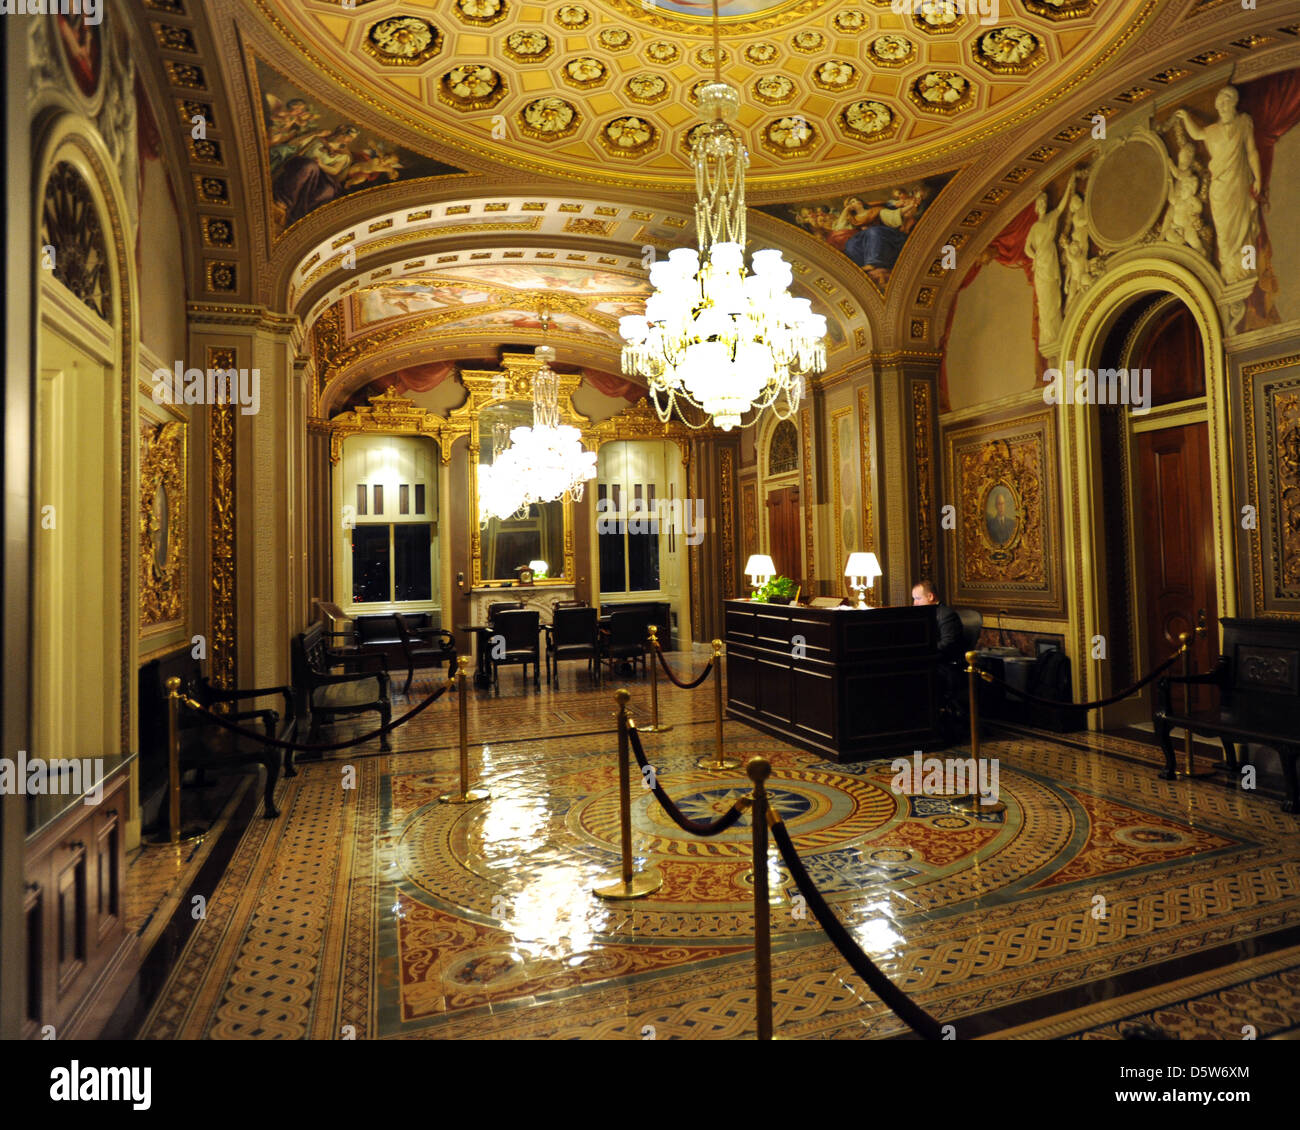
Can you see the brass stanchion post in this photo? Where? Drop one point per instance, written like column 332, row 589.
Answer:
column 718, row 761
column 974, row 801
column 759, row 770
column 654, row 727
column 466, row 794
column 173, row 834
column 627, row 885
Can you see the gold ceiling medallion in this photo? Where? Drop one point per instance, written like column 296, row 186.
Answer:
column 484, row 13
column 402, row 41
column 615, row 38
column 791, row 136
column 471, row 86
column 573, row 16
column 807, row 40
column 687, row 141
column 549, row 119
column 760, row 53
column 1008, row 51
column 941, row 92
column 628, row 136
column 662, row 51
column 835, row 74
column 646, row 88
column 706, row 56
column 938, row 17
column 850, row 20
column 584, row 72
column 528, row 46
column 868, row 120
column 1060, row 9
column 891, row 50
column 773, row 89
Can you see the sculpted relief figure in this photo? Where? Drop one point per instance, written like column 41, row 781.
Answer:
column 1040, row 246
column 1074, row 246
column 1182, row 223
column 1234, row 180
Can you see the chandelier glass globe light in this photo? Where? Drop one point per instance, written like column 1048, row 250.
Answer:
column 542, row 463
column 718, row 337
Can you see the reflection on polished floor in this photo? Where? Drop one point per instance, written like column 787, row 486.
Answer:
column 1102, row 894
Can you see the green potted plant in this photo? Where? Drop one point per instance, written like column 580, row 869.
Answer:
column 779, row 590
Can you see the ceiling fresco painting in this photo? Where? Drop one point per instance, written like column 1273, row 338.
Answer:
column 314, row 155
column 870, row 228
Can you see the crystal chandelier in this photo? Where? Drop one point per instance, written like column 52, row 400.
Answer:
column 543, row 462
column 719, row 338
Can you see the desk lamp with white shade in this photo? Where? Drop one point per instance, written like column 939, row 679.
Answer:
column 862, row 570
column 760, row 569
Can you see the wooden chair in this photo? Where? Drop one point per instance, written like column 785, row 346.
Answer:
column 418, row 644
column 519, row 630
column 502, row 606
column 625, row 639
column 574, row 633
column 327, row 695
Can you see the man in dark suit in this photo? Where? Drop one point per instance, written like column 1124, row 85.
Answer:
column 951, row 646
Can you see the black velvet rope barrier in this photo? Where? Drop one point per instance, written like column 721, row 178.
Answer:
column 306, row 747
column 721, row 824
column 989, row 677
column 906, row 1009
column 674, row 679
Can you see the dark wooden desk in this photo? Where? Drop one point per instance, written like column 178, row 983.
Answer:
column 846, row 683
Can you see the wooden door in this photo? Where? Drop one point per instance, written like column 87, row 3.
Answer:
column 1177, row 536
column 783, row 531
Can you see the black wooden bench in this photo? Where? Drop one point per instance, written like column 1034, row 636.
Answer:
column 204, row 745
column 361, row 686
column 1257, row 685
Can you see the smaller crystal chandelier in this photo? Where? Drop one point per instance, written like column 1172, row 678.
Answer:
column 542, row 463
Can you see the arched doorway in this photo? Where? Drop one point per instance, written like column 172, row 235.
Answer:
column 1158, row 510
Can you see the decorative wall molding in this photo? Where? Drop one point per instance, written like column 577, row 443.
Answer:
column 163, row 547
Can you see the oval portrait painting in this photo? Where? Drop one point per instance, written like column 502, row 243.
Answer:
column 1001, row 515
column 82, row 50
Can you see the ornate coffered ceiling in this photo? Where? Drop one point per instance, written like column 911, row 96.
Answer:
column 604, row 90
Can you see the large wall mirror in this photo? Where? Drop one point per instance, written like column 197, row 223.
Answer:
column 508, row 545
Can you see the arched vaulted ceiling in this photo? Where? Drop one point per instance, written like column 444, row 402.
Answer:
column 481, row 134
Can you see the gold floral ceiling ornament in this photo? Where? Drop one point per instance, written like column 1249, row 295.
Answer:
column 548, row 119
column 807, row 40
column 773, row 89
column 850, row 20
column 662, row 51
column 835, row 74
column 944, row 92
column 868, row 120
column 584, row 72
column 1060, row 9
column 938, row 17
column 615, row 38
column 528, row 46
column 760, row 53
column 1008, row 50
column 628, row 136
column 472, row 86
column 891, row 50
column 689, row 136
column 707, row 56
column 646, row 87
column 573, row 16
column 789, row 136
column 484, row 13
column 403, row 41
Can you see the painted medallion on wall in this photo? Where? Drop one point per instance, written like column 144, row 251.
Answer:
column 870, row 228
column 83, row 51
column 315, row 155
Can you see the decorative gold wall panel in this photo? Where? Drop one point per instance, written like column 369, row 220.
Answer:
column 1271, row 392
column 728, row 478
column 921, row 455
column 163, row 520
column 864, row 447
column 221, row 530
column 810, row 577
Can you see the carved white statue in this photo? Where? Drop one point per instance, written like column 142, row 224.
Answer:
column 1234, row 180
column 1074, row 246
column 1182, row 223
column 1040, row 246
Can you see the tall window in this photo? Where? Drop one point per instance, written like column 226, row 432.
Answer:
column 634, row 506
column 392, row 543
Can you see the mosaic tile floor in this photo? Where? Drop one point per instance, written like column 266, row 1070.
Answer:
column 379, row 909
